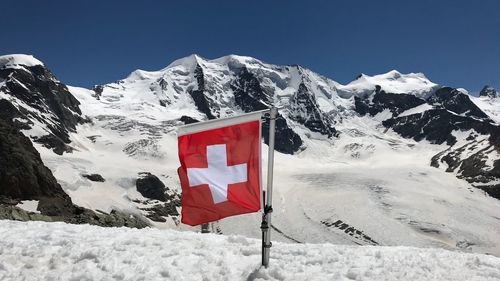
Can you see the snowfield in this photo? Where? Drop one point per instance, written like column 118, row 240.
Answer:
column 369, row 186
column 58, row 251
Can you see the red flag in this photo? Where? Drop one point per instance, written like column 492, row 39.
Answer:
column 220, row 171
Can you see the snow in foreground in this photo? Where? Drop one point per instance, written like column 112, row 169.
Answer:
column 58, row 251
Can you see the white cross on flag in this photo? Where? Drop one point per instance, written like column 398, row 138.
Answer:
column 220, row 168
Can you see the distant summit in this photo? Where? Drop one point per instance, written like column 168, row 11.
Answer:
column 488, row 91
column 18, row 60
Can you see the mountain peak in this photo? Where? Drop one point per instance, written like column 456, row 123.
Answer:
column 392, row 82
column 18, row 60
column 189, row 61
column 394, row 74
column 488, row 91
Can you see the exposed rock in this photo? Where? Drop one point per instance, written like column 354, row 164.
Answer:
column 188, row 120
column 82, row 216
column 22, row 172
column 488, row 91
column 94, row 177
column 360, row 236
column 98, row 89
column 473, row 167
column 286, row 140
column 144, row 149
column 395, row 103
column 199, row 98
column 305, row 110
column 160, row 212
column 250, row 96
column 40, row 97
column 150, row 186
column 457, row 102
column 23, row 176
column 436, row 126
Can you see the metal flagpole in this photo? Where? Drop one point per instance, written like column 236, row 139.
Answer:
column 266, row 217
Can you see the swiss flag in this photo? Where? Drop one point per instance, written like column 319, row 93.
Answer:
column 220, row 172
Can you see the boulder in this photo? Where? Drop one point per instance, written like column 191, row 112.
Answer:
column 94, row 177
column 150, row 186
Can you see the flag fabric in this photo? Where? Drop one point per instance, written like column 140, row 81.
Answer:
column 220, row 169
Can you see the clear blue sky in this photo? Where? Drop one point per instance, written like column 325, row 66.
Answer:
column 454, row 43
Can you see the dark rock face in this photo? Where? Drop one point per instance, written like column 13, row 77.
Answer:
column 150, row 186
column 98, row 89
column 396, row 103
column 23, row 176
column 457, row 102
column 188, row 120
column 41, row 97
column 199, row 98
column 473, row 168
column 435, row 125
column 94, row 177
column 248, row 94
column 160, row 212
column 488, row 91
column 22, row 172
column 452, row 111
column 80, row 216
column 286, row 140
column 360, row 237
column 306, row 111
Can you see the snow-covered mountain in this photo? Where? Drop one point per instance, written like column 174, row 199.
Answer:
column 390, row 159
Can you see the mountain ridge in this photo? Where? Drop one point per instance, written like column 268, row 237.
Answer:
column 383, row 149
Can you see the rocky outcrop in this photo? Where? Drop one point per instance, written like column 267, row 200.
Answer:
column 470, row 161
column 251, row 96
column 451, row 111
column 286, row 140
column 23, row 176
column 22, row 172
column 200, row 100
column 488, row 91
column 37, row 97
column 457, row 102
column 305, row 110
column 150, row 186
column 94, row 177
column 81, row 216
column 188, row 120
column 248, row 93
column 436, row 126
column 380, row 101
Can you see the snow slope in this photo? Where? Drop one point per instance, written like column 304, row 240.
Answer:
column 490, row 106
column 58, row 251
column 18, row 61
column 392, row 82
column 375, row 181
